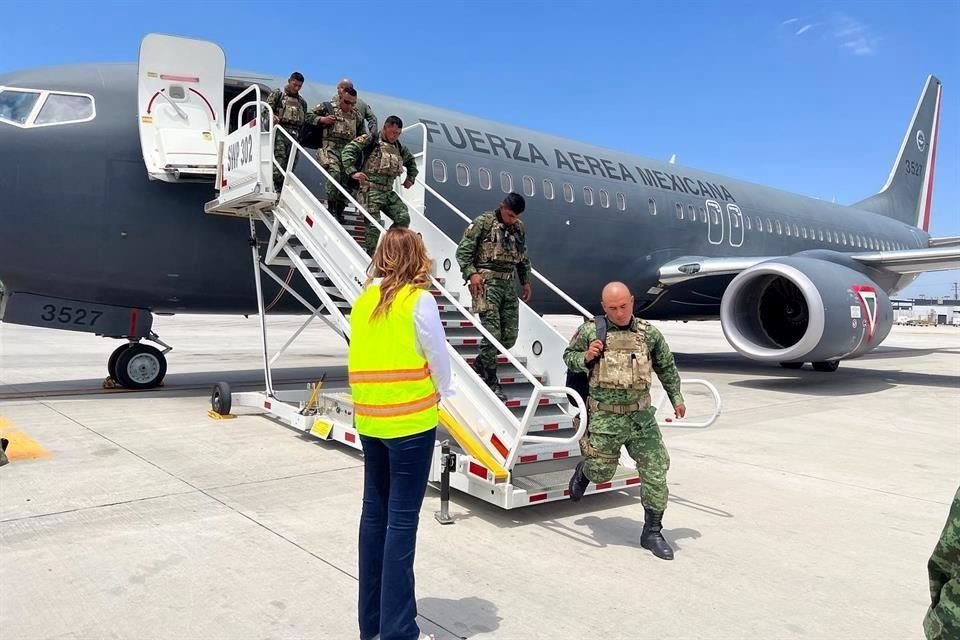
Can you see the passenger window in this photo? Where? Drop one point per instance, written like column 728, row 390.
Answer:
column 679, row 208
column 621, row 202
column 843, row 237
column 568, row 192
column 769, row 226
column 506, row 182
column 779, row 229
column 692, row 211
column 796, row 231
column 62, row 109
column 759, row 223
column 528, row 189
column 463, row 175
column 439, row 170
column 486, row 180
column 588, row 196
column 703, row 215
column 547, row 189
column 788, row 230
column 16, row 106
column 746, row 222
column 803, row 232
column 651, row 206
column 605, row 199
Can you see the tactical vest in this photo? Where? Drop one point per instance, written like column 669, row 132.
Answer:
column 343, row 130
column 292, row 113
column 625, row 362
column 502, row 243
column 384, row 164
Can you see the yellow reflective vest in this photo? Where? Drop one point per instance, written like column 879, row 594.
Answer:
column 393, row 393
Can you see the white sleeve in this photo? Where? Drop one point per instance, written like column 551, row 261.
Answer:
column 433, row 342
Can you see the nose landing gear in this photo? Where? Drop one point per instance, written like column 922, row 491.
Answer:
column 137, row 366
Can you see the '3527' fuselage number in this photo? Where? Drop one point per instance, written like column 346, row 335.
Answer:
column 70, row 315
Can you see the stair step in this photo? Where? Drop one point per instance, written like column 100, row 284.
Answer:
column 471, row 357
column 456, row 323
column 464, row 341
column 549, row 418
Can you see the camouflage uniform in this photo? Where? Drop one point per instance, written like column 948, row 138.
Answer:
column 335, row 137
column 364, row 115
column 619, row 403
column 496, row 252
column 382, row 166
column 294, row 114
column 942, row 621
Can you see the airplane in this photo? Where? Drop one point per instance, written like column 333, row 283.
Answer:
column 102, row 223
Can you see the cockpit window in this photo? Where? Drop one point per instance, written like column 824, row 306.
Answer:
column 56, row 107
column 62, row 108
column 16, row 106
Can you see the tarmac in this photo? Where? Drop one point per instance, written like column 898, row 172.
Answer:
column 809, row 510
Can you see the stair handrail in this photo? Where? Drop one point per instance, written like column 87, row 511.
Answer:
column 519, row 427
column 539, row 389
column 566, row 298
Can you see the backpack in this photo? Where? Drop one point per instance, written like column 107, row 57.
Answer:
column 312, row 135
column 579, row 381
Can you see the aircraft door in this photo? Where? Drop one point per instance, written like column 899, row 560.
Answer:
column 735, row 224
column 180, row 107
column 714, row 222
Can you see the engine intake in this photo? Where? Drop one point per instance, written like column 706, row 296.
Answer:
column 801, row 309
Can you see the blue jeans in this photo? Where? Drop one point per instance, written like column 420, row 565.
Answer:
column 394, row 482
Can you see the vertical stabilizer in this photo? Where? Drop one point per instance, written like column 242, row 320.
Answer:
column 908, row 193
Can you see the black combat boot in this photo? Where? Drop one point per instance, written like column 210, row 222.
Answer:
column 578, row 482
column 651, row 539
column 489, row 377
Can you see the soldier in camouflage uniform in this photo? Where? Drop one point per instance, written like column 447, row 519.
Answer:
column 619, row 406
column 340, row 122
column 942, row 621
column 290, row 111
column 374, row 162
column 492, row 254
column 364, row 112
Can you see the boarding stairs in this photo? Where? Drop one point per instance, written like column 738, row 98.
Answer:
column 511, row 453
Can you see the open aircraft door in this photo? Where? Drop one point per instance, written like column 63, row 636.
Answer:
column 180, row 107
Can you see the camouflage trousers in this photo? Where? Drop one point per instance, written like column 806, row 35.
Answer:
column 281, row 151
column 336, row 201
column 499, row 313
column 639, row 432
column 942, row 621
column 377, row 202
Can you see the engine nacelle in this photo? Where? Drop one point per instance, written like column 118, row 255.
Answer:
column 801, row 309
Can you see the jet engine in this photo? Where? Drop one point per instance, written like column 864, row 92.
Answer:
column 800, row 309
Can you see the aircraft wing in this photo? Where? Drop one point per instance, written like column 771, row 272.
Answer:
column 912, row 260
column 903, row 262
column 945, row 241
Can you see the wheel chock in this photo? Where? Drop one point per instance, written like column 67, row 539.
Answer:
column 220, row 416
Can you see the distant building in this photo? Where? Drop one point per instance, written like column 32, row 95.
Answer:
column 926, row 311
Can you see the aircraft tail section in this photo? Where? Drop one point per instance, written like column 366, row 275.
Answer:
column 908, row 193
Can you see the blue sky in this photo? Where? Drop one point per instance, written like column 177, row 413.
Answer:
column 810, row 97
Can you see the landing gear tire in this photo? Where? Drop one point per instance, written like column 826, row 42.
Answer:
column 828, row 366
column 140, row 366
column 220, row 399
column 112, row 361
column 792, row 365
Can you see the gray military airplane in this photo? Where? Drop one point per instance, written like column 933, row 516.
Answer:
column 102, row 221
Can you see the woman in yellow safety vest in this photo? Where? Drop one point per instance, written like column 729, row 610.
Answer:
column 399, row 368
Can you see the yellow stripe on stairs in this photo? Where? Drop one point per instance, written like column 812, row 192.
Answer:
column 472, row 446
